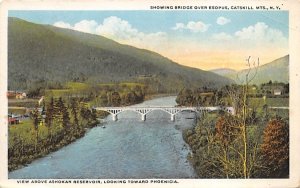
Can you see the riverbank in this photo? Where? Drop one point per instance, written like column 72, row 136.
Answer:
column 59, row 124
column 30, row 153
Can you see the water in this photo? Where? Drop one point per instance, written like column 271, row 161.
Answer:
column 128, row 148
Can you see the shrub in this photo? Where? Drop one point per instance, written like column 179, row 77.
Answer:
column 275, row 149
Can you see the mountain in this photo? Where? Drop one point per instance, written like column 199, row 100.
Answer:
column 47, row 54
column 223, row 71
column 277, row 70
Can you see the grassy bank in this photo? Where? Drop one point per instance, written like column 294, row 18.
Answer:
column 61, row 122
column 23, row 148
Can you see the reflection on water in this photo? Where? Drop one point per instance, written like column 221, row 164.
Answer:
column 128, row 148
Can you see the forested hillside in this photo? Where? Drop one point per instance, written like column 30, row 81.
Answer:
column 48, row 56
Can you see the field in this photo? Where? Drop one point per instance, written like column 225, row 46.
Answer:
column 16, row 110
column 84, row 89
column 271, row 102
column 22, row 102
column 258, row 103
column 24, row 131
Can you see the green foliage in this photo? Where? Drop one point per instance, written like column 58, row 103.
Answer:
column 32, row 139
column 115, row 99
column 211, row 97
column 50, row 116
column 75, row 111
column 197, row 97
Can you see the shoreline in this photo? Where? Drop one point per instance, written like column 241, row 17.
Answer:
column 52, row 148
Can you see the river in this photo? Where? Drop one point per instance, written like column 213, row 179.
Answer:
column 127, row 148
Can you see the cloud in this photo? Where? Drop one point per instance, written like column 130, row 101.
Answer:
column 120, row 30
column 179, row 26
column 62, row 25
column 222, row 20
column 117, row 28
column 222, row 36
column 192, row 26
column 87, row 26
column 261, row 33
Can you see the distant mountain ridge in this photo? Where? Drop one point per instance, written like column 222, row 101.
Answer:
column 223, row 71
column 277, row 70
column 44, row 53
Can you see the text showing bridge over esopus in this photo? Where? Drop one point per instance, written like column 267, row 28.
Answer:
column 114, row 111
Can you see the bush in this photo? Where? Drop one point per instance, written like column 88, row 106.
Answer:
column 275, row 149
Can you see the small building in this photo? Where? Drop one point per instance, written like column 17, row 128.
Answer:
column 13, row 120
column 273, row 89
column 277, row 92
column 20, row 95
column 16, row 95
column 11, row 94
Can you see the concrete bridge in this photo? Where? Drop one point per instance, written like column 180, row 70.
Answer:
column 114, row 111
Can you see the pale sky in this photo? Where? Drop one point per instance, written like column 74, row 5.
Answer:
column 200, row 39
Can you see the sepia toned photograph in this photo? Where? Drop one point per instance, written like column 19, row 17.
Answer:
column 160, row 95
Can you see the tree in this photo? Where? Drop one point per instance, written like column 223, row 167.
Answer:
column 226, row 129
column 129, row 98
column 65, row 114
column 74, row 110
column 232, row 151
column 66, row 118
column 243, row 115
column 36, row 119
column 185, row 97
column 115, row 99
column 228, row 136
column 49, row 116
column 287, row 88
column 275, row 149
column 139, row 93
column 244, row 157
column 61, row 114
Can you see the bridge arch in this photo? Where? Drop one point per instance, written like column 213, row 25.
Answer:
column 143, row 111
column 158, row 110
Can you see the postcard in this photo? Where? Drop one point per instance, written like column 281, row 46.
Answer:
column 148, row 93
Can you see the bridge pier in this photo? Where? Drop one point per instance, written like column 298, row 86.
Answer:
column 172, row 117
column 143, row 117
column 114, row 117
